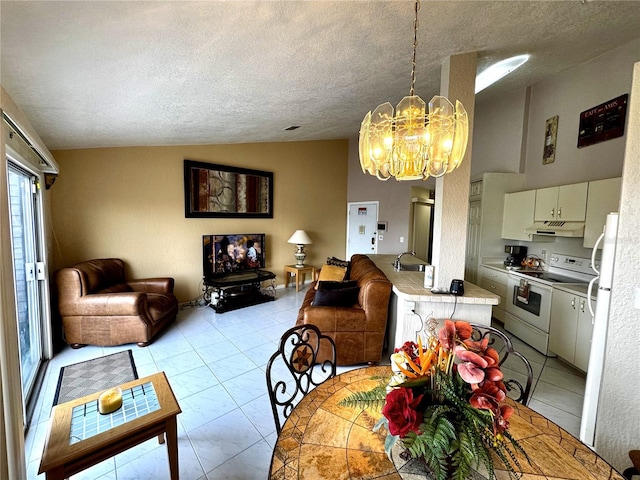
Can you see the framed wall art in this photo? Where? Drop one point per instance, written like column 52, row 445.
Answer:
column 218, row 191
column 550, row 138
column 603, row 122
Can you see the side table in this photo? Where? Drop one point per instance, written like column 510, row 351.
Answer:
column 298, row 272
column 80, row 437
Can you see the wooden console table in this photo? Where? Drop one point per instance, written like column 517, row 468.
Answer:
column 80, row 437
column 229, row 291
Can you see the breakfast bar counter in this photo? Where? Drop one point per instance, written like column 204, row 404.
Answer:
column 412, row 304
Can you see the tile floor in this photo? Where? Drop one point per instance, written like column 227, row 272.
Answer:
column 215, row 364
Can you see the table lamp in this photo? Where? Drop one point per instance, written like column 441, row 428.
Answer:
column 300, row 239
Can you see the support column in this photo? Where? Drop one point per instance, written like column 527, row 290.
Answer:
column 457, row 82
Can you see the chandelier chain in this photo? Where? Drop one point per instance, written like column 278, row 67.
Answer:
column 414, row 142
column 415, row 44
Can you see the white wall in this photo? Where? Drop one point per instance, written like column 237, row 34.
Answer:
column 619, row 408
column 394, row 197
column 567, row 95
column 498, row 133
column 498, row 136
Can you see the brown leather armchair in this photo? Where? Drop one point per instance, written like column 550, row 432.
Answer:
column 359, row 330
column 99, row 307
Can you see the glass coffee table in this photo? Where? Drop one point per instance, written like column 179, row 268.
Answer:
column 80, row 437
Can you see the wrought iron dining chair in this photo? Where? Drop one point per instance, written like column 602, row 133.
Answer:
column 502, row 343
column 295, row 369
column 634, row 455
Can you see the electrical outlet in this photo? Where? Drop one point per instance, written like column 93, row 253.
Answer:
column 544, row 256
column 409, row 306
column 401, row 239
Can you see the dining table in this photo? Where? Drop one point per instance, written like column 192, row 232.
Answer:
column 322, row 439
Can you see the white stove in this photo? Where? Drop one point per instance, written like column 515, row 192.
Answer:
column 529, row 296
column 561, row 269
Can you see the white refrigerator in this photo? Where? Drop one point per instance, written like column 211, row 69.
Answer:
column 604, row 277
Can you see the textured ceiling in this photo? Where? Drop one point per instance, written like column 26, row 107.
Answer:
column 97, row 73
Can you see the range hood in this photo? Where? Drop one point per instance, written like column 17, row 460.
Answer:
column 557, row 229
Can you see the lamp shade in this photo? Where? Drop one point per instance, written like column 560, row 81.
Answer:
column 300, row 237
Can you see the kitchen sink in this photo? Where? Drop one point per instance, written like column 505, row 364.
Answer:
column 412, row 267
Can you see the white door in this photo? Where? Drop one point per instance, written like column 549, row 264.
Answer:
column 28, row 271
column 362, row 228
column 473, row 242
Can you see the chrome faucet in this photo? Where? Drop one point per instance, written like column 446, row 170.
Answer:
column 397, row 263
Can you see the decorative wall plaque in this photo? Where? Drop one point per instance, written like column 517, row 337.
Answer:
column 550, row 137
column 603, row 122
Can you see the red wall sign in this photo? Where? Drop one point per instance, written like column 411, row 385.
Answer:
column 604, row 122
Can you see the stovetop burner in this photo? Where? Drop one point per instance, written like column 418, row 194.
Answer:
column 562, row 269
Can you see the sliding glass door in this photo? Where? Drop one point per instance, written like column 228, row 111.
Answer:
column 23, row 209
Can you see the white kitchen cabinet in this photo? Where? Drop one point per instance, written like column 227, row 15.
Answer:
column 603, row 198
column 566, row 203
column 564, row 324
column 475, row 191
column 518, row 214
column 571, row 328
column 495, row 281
column 485, row 219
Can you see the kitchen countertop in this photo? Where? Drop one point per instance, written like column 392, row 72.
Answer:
column 577, row 288
column 580, row 289
column 500, row 267
column 410, row 285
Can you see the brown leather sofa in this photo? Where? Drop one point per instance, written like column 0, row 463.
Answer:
column 358, row 331
column 99, row 307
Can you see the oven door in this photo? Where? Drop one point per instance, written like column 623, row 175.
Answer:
column 530, row 302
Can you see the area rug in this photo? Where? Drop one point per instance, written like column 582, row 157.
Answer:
column 94, row 375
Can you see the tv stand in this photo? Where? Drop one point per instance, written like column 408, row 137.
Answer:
column 230, row 291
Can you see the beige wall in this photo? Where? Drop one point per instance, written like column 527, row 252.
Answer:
column 129, row 203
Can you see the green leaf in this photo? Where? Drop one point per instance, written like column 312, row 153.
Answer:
column 373, row 399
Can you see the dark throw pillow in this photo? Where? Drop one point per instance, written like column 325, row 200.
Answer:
column 345, row 297
column 328, row 285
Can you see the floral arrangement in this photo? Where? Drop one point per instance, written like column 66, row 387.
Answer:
column 445, row 403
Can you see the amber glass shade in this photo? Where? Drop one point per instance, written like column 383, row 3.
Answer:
column 413, row 144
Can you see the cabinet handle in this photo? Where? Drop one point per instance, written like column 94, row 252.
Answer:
column 553, row 213
column 560, row 212
column 573, row 303
column 582, row 305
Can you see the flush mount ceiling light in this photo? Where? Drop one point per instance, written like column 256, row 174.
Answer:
column 413, row 144
column 498, row 70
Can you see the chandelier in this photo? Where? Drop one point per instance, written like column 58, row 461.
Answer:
column 413, row 144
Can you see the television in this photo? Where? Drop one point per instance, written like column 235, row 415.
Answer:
column 234, row 252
